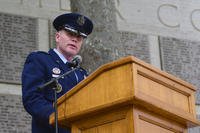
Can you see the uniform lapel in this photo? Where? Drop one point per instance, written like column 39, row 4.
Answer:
column 58, row 60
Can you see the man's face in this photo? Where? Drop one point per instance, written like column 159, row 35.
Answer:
column 68, row 43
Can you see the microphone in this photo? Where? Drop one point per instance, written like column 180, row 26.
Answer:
column 75, row 62
column 53, row 83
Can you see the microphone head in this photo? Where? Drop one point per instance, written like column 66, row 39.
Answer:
column 76, row 60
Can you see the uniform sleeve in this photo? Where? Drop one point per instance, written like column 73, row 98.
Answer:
column 34, row 102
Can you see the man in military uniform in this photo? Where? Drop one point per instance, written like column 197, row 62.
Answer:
column 40, row 67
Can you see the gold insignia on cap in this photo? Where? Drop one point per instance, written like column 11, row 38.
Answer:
column 81, row 20
column 56, row 70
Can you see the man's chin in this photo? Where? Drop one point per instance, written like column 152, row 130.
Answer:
column 72, row 53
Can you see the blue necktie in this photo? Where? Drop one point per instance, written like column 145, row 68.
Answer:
column 73, row 75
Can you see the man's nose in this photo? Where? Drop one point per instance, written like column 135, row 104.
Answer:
column 74, row 39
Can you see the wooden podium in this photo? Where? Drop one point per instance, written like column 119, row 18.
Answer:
column 128, row 96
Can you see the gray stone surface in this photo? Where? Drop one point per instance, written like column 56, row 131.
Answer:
column 182, row 59
column 100, row 47
column 18, row 36
column 133, row 44
column 194, row 130
column 13, row 118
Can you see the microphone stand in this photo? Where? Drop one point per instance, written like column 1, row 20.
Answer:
column 56, row 89
column 53, row 83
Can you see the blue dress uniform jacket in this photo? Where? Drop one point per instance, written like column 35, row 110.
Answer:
column 39, row 68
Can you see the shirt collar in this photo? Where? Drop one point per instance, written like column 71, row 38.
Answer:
column 60, row 55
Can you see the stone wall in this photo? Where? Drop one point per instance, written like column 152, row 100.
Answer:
column 13, row 118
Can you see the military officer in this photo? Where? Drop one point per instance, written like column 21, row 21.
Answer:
column 40, row 67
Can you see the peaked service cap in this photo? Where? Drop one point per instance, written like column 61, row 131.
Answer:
column 74, row 22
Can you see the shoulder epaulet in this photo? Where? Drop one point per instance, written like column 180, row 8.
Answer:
column 38, row 53
column 42, row 52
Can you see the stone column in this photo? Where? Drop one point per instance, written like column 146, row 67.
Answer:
column 101, row 46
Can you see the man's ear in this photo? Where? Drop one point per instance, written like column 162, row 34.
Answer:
column 57, row 36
